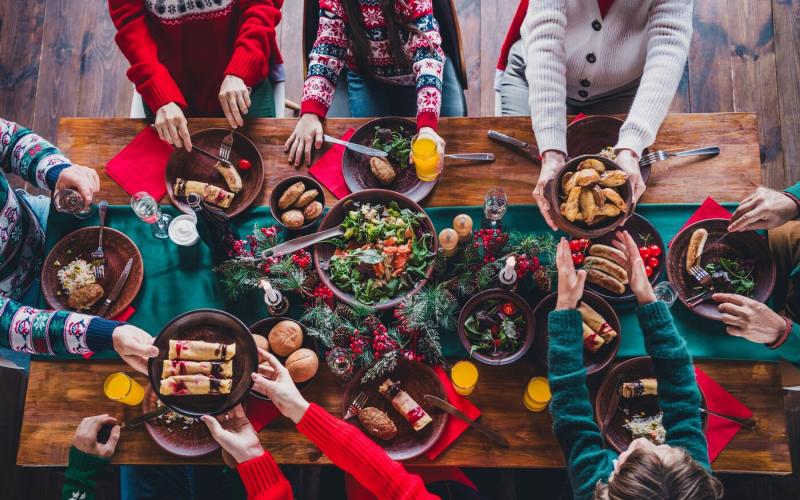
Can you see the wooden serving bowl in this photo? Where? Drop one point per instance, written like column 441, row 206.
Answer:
column 264, row 326
column 194, row 441
column 417, row 379
column 210, row 325
column 588, row 136
column 632, row 369
column 500, row 295
column 323, row 251
column 196, row 166
column 356, row 170
column 579, row 229
column 748, row 245
column 80, row 244
column 275, row 195
column 592, row 361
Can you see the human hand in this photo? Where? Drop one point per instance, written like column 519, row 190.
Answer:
column 552, row 161
column 82, row 179
column 172, row 127
column 440, row 144
column 570, row 283
column 134, row 345
column 763, row 209
column 749, row 318
column 637, row 276
column 273, row 380
column 307, row 132
column 234, row 97
column 86, row 436
column 235, row 434
column 628, row 161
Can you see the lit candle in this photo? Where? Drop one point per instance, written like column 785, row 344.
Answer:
column 271, row 296
column 448, row 241
column 508, row 275
column 463, row 226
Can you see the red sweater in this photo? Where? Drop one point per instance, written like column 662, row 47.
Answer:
column 181, row 50
column 349, row 449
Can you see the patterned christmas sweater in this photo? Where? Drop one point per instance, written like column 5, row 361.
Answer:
column 24, row 328
column 332, row 50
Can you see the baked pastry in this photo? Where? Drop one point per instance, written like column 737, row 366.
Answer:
column 214, row 369
column 312, row 211
column 594, row 164
column 302, row 365
column 377, row 423
column 231, row 176
column 596, row 322
column 405, row 404
column 261, row 342
column 293, row 218
column 85, row 296
column 210, row 193
column 586, row 177
column 306, row 198
column 614, row 197
column 588, row 205
column 291, row 195
column 591, row 340
column 285, row 338
column 696, row 245
column 613, row 178
column 639, row 387
column 382, row 170
column 198, row 350
column 571, row 208
column 194, row 385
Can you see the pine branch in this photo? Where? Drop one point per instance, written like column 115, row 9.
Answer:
column 384, row 365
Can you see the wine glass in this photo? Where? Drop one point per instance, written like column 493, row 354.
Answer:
column 146, row 208
column 495, row 204
column 70, row 201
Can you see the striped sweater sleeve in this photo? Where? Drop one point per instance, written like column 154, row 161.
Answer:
column 30, row 156
column 326, row 60
column 427, row 62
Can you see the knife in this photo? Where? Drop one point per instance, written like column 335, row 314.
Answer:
column 105, row 431
column 302, row 242
column 452, row 410
column 613, row 405
column 358, row 148
column 212, row 155
column 118, row 286
column 709, row 247
column 531, row 150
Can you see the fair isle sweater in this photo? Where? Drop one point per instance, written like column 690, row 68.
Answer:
column 571, row 50
column 24, row 328
column 332, row 51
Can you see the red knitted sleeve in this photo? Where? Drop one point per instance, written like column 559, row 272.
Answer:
column 152, row 79
column 359, row 456
column 251, row 51
column 428, row 60
column 263, row 479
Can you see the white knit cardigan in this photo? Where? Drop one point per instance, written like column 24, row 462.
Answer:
column 636, row 38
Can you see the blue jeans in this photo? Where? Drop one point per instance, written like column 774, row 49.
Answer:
column 180, row 482
column 369, row 98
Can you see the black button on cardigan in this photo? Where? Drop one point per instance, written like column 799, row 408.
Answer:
column 583, row 93
column 596, row 25
column 585, row 83
column 591, row 57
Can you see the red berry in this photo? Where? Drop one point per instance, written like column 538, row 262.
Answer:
column 644, row 252
column 648, row 270
column 575, row 246
column 655, row 250
column 584, row 243
column 245, row 164
column 652, row 262
column 577, row 258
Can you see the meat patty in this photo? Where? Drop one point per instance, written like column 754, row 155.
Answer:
column 85, row 296
column 377, row 423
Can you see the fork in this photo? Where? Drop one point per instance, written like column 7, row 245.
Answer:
column 356, row 406
column 225, row 147
column 702, row 277
column 98, row 257
column 655, row 156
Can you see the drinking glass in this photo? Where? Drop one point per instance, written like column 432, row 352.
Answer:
column 537, row 394
column 120, row 387
column 495, row 204
column 428, row 156
column 70, row 201
column 665, row 292
column 340, row 362
column 146, row 208
column 464, row 376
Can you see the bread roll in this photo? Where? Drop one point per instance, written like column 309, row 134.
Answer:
column 285, row 338
column 696, row 245
column 302, row 365
column 293, row 218
column 291, row 195
column 607, row 266
column 601, row 279
column 306, row 198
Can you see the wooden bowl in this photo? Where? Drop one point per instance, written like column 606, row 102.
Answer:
column 80, row 244
column 263, row 327
column 196, row 166
column 592, row 361
column 632, row 369
column 355, row 166
column 638, row 227
column 194, row 441
column 747, row 245
column 588, row 136
column 499, row 295
column 579, row 229
column 323, row 251
column 417, row 379
column 210, row 325
column 310, row 183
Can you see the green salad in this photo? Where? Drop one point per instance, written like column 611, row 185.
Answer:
column 496, row 328
column 384, row 251
column 397, row 144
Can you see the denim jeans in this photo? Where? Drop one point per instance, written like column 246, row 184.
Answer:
column 180, row 482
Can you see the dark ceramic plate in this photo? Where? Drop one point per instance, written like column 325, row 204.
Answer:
column 192, row 441
column 276, row 193
column 632, row 369
column 417, row 380
column 593, row 361
column 355, row 166
column 80, row 244
column 748, row 246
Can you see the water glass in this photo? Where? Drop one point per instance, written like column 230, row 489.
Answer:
column 146, row 208
column 665, row 292
column 340, row 362
column 70, row 201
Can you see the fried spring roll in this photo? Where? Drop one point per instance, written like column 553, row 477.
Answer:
column 194, row 385
column 596, row 322
column 405, row 404
column 209, row 192
column 198, row 350
column 591, row 341
column 215, row 369
column 640, row 387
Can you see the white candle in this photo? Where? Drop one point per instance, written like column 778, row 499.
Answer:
column 508, row 275
column 271, row 296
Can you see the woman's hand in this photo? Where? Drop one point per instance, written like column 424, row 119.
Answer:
column 234, row 97
column 440, row 144
column 273, row 380
column 235, row 434
column 629, row 162
column 637, row 277
column 82, row 179
column 552, row 161
column 86, row 436
column 172, row 127
column 307, row 132
column 764, row 209
column 570, row 283
column 749, row 318
column 134, row 345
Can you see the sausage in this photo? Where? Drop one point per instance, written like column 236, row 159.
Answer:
column 601, row 279
column 609, row 253
column 607, row 266
column 696, row 245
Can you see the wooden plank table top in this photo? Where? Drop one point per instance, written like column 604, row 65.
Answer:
column 53, row 409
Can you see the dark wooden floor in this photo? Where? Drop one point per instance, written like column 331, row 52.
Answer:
column 58, row 58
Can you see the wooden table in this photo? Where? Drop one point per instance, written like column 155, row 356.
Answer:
column 54, row 408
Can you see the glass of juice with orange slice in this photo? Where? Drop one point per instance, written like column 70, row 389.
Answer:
column 120, row 387
column 427, row 155
column 464, row 375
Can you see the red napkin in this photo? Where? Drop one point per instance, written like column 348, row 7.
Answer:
column 709, row 209
column 454, row 426
column 125, row 315
column 720, row 431
column 328, row 169
column 579, row 116
column 141, row 165
column 260, row 412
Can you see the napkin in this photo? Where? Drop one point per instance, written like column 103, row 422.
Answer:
column 454, row 426
column 260, row 412
column 328, row 169
column 142, row 164
column 125, row 315
column 720, row 431
column 709, row 209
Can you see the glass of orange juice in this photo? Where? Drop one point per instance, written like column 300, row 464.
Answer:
column 428, row 155
column 120, row 387
column 464, row 375
column 537, row 394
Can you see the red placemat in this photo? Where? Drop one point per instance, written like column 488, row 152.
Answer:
column 142, row 164
column 328, row 169
column 454, row 426
column 720, row 431
column 260, row 412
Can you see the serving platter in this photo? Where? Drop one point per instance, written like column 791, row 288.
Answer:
column 186, row 441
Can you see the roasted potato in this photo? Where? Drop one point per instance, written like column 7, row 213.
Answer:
column 613, row 178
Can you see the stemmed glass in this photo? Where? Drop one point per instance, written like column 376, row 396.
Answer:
column 495, row 204
column 70, row 201
column 146, row 208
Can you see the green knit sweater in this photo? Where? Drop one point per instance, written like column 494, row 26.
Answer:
column 81, row 475
column 573, row 421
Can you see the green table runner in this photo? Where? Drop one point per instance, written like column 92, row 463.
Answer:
column 179, row 279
